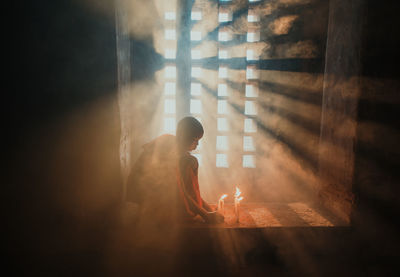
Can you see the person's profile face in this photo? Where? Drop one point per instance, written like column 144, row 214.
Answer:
column 194, row 144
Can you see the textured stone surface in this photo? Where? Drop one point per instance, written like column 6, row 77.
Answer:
column 339, row 107
column 265, row 215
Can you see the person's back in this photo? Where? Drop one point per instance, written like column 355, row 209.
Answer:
column 164, row 180
column 152, row 182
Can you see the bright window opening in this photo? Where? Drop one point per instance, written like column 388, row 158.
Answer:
column 170, row 125
column 222, row 143
column 223, row 36
column 196, row 15
column 251, row 91
column 195, row 35
column 250, row 126
column 249, row 161
column 252, row 16
column 196, row 72
column 195, row 106
column 196, row 54
column 224, row 16
column 169, row 88
column 169, row 106
column 250, row 55
column 248, row 143
column 223, row 72
column 170, row 71
column 222, row 106
column 250, row 108
column 222, row 160
column 222, row 90
column 170, row 34
column 222, row 124
column 253, row 36
column 251, row 72
column 170, row 16
column 223, row 54
column 195, row 89
column 170, row 53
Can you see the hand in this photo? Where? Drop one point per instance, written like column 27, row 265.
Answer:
column 214, row 217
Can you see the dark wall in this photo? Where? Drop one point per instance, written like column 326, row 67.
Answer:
column 359, row 151
column 62, row 145
column 377, row 179
column 339, row 105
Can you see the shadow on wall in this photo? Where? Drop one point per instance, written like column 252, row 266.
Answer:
column 377, row 178
column 145, row 61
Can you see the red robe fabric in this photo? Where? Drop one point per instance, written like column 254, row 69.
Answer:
column 162, row 179
column 188, row 182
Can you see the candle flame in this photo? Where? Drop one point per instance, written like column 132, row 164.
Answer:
column 223, row 196
column 239, row 199
column 238, row 192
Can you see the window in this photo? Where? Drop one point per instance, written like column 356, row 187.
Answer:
column 250, row 108
column 195, row 35
column 248, row 144
column 250, row 126
column 222, row 90
column 170, row 16
column 169, row 106
column 170, row 71
column 250, row 55
column 169, row 88
column 231, row 92
column 251, row 91
column 195, row 106
column 252, row 16
column 222, row 160
column 170, row 125
column 222, row 124
column 251, row 72
column 223, row 36
column 253, row 36
column 224, row 16
column 195, row 89
column 170, row 53
column 222, row 106
column 249, row 161
column 196, row 72
column 223, row 72
column 196, row 15
column 223, row 54
column 170, row 34
column 196, row 54
column 222, row 143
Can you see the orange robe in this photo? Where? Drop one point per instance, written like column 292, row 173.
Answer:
column 188, row 183
column 164, row 182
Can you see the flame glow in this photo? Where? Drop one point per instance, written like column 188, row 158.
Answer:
column 238, row 192
column 223, row 196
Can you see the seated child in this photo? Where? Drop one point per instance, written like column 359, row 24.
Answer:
column 164, row 180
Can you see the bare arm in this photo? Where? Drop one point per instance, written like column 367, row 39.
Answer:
column 189, row 171
column 206, row 206
column 206, row 213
